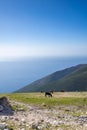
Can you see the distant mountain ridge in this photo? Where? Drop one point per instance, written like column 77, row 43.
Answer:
column 69, row 79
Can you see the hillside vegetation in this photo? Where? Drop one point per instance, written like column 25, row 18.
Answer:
column 69, row 79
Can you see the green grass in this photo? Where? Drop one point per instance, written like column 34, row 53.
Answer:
column 73, row 98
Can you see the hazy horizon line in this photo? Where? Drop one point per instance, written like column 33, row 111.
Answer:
column 27, row 58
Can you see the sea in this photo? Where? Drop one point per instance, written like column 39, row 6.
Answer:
column 21, row 72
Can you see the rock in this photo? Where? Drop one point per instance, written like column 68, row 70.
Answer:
column 16, row 119
column 5, row 107
column 3, row 125
column 42, row 120
column 23, row 120
column 3, row 119
column 40, row 128
column 67, row 110
column 34, row 126
column 20, row 109
column 8, row 129
column 4, row 101
column 1, row 108
column 23, row 129
column 85, row 125
column 59, row 116
column 43, row 104
column 11, row 117
column 61, row 122
column 55, row 123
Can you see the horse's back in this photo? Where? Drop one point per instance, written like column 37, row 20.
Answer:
column 48, row 94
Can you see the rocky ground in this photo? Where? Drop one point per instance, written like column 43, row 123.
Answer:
column 31, row 117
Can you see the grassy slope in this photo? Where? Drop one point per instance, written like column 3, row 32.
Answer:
column 75, row 81
column 35, row 86
column 70, row 79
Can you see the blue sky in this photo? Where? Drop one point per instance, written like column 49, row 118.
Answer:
column 43, row 28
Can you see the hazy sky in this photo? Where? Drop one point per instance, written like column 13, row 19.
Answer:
column 41, row 28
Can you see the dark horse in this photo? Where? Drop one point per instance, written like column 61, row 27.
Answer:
column 48, row 94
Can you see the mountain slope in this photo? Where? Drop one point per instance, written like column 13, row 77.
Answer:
column 70, row 79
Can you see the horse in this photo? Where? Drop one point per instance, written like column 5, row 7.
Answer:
column 48, row 94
